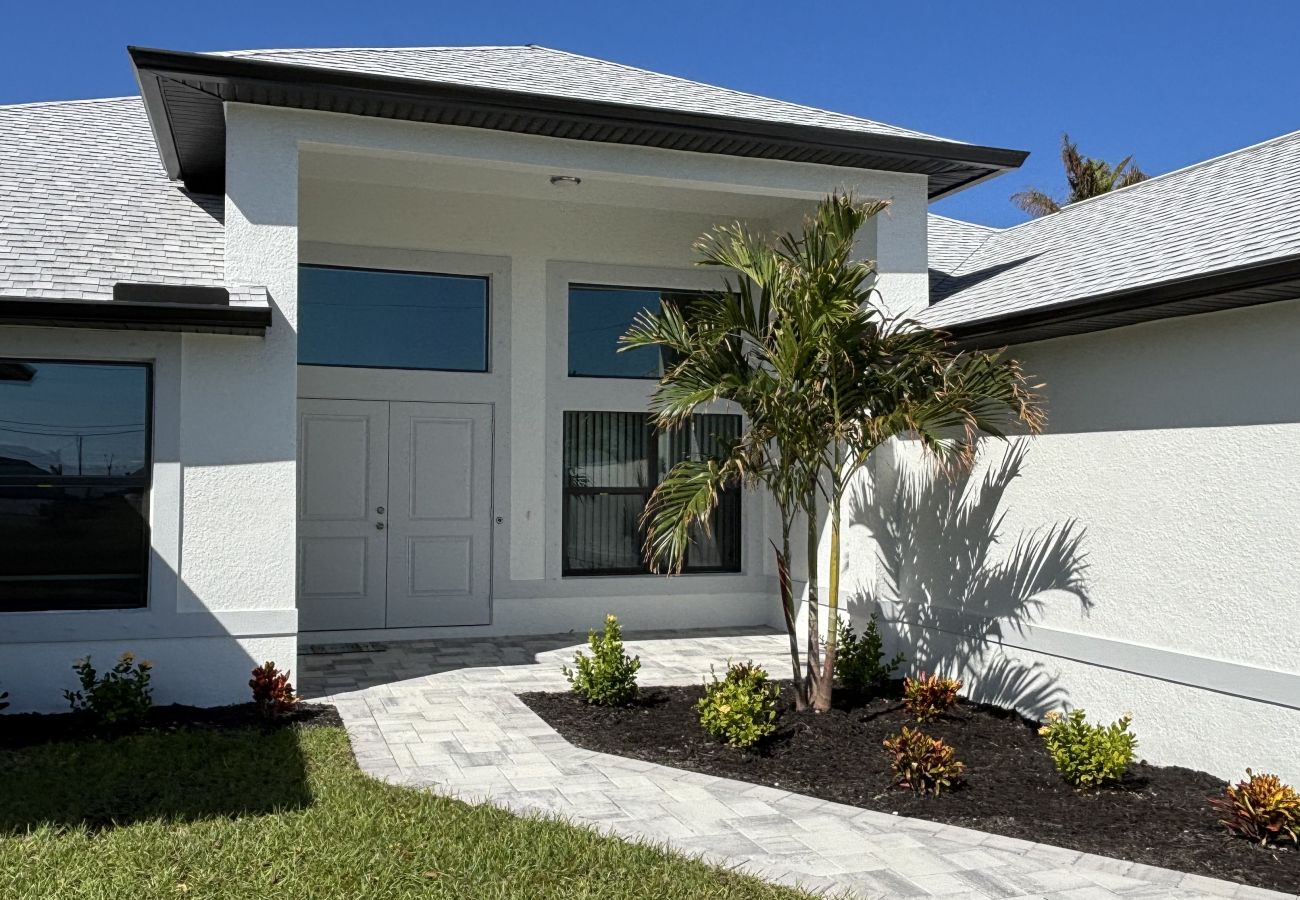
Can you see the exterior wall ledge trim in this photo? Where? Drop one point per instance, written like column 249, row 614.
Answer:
column 1221, row 676
column 145, row 624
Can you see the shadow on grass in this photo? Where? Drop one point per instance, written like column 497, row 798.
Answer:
column 174, row 776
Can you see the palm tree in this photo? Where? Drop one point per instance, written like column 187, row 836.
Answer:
column 799, row 342
column 1086, row 176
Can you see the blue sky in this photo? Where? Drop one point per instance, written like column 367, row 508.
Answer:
column 1170, row 82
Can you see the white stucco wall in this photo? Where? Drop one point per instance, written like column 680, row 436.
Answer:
column 218, row 603
column 1142, row 559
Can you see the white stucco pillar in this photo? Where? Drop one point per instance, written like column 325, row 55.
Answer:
column 238, row 402
column 896, row 239
column 527, row 427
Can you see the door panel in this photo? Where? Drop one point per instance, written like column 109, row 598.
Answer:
column 342, row 485
column 440, row 528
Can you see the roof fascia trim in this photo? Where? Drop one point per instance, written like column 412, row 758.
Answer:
column 1161, row 298
column 154, row 64
column 153, row 316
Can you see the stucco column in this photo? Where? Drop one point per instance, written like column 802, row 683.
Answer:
column 527, row 427
column 896, row 239
column 239, row 395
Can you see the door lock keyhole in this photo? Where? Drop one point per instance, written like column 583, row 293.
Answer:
column 379, row 509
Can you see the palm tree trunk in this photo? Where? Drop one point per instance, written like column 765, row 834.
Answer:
column 788, row 610
column 826, row 682
column 813, row 675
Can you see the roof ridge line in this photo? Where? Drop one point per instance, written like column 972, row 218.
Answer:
column 965, row 222
column 1155, row 178
column 740, row 93
column 31, row 103
column 447, row 47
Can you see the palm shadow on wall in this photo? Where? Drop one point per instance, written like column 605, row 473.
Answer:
column 949, row 592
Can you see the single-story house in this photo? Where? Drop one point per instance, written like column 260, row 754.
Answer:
column 313, row 346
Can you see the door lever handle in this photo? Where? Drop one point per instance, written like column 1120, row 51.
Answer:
column 379, row 526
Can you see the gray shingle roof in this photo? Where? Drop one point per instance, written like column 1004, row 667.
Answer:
column 84, row 203
column 950, row 243
column 541, row 70
column 1235, row 210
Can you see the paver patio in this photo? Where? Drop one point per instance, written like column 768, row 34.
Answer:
column 445, row 715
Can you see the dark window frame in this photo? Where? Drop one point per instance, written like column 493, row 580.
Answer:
column 142, row 482
column 487, row 317
column 593, row 286
column 568, row 490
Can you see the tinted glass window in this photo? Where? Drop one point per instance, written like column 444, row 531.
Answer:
column 72, row 419
column 599, row 316
column 392, row 320
column 74, row 479
column 612, row 462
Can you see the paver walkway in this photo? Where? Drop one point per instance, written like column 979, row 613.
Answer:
column 444, row 715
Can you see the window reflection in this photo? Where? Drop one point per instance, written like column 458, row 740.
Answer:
column 392, row 320
column 74, row 479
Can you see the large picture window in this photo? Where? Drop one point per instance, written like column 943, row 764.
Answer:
column 612, row 462
column 599, row 316
column 74, row 482
column 382, row 319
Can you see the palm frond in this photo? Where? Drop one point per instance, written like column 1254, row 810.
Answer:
column 683, row 501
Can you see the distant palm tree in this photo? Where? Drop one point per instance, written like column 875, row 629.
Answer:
column 1087, row 177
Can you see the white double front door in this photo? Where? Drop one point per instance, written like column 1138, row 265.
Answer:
column 394, row 514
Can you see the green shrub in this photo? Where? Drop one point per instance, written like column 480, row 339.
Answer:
column 1089, row 755
column 860, row 661
column 741, row 708
column 930, row 696
column 922, row 763
column 272, row 691
column 608, row 676
column 1261, row 808
column 121, row 698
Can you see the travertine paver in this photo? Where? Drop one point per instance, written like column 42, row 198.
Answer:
column 444, row 715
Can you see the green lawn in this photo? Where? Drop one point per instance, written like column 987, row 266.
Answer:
column 245, row 814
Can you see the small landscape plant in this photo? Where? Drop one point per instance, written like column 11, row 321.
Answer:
column 120, row 698
column 860, row 663
column 1262, row 808
column 741, row 707
column 272, row 691
column 922, row 763
column 1089, row 755
column 608, row 676
column 927, row 697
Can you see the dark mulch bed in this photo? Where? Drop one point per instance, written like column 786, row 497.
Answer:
column 26, row 729
column 1158, row 816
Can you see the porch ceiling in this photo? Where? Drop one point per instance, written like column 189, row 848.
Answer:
column 343, row 166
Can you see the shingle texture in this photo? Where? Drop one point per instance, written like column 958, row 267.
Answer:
column 951, row 243
column 1235, row 210
column 84, row 203
column 540, row 70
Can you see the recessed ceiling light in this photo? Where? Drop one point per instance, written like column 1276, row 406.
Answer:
column 565, row 180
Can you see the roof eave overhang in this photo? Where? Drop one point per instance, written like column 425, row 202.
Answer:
column 184, row 94
column 210, row 318
column 1232, row 288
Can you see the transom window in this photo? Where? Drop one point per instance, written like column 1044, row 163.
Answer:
column 599, row 316
column 612, row 462
column 383, row 319
column 74, row 483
